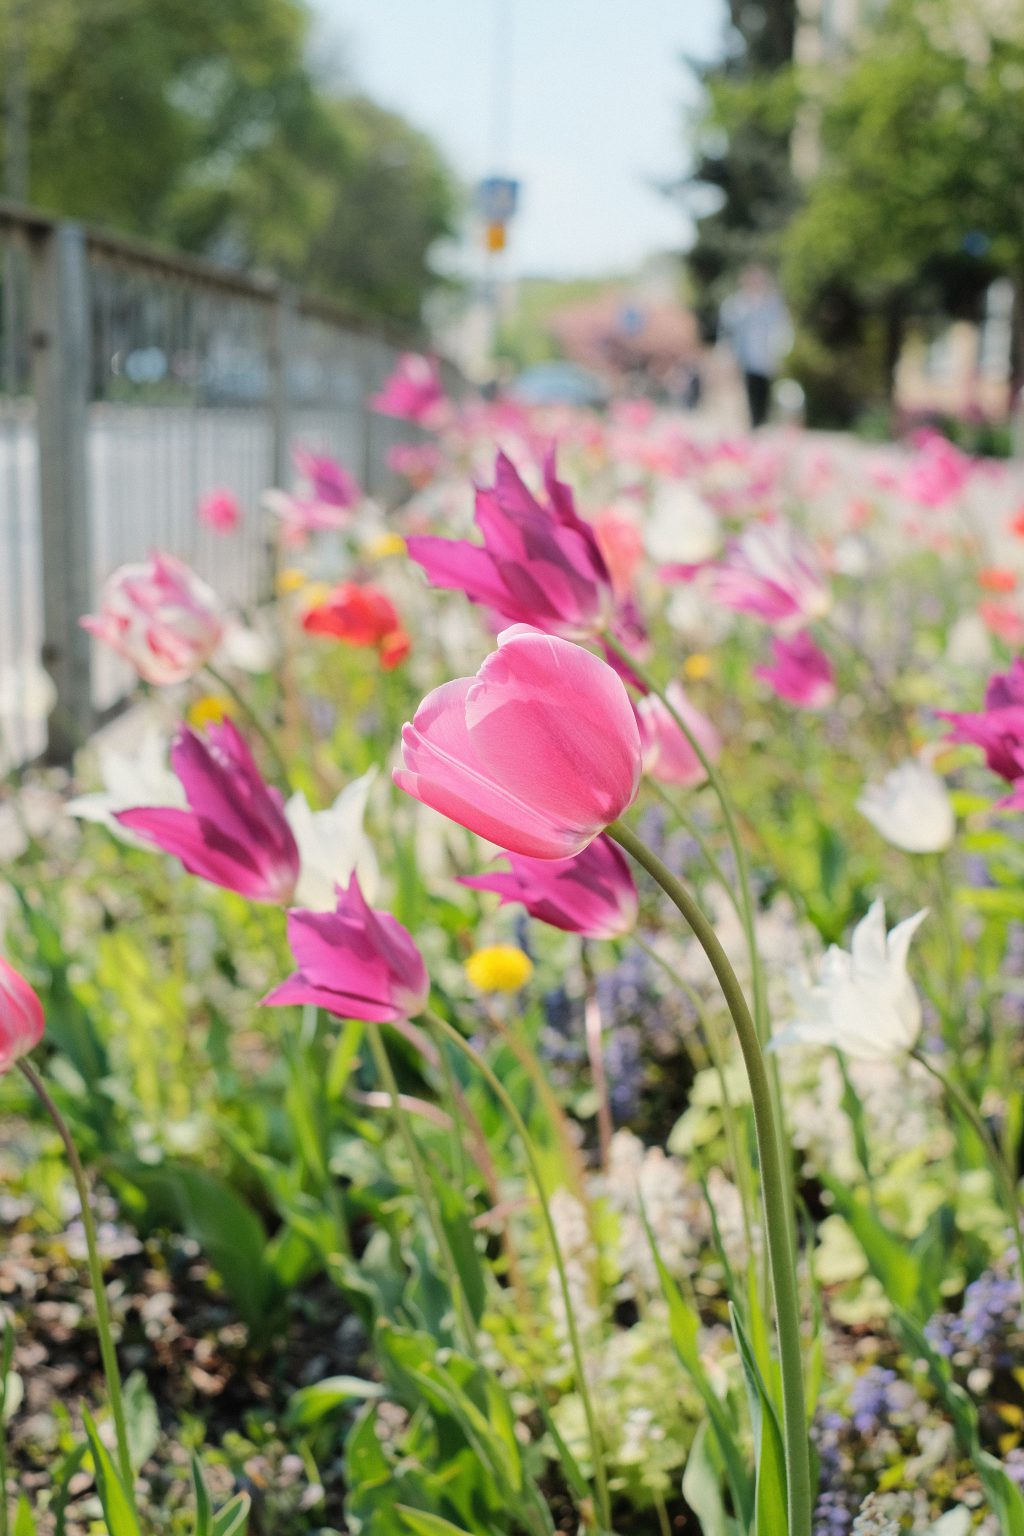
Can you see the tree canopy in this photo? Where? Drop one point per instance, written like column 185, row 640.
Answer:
column 205, row 126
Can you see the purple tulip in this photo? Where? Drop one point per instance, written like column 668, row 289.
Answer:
column 234, row 833
column 999, row 727
column 800, row 672
column 591, row 894
column 355, row 962
column 538, row 565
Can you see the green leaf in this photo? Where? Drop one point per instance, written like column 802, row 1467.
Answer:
column 422, row 1524
column 141, row 1420
column 310, row 1404
column 462, row 1241
column 233, row 1519
column 117, row 1509
column 771, row 1501
column 702, row 1487
column 69, row 1467
column 203, row 1509
column 227, row 1230
column 24, row 1520
column 684, row 1328
column 890, row 1257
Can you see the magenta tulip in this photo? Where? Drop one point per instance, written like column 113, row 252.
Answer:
column 592, row 894
column 355, row 962
column 234, row 833
column 330, row 483
column 413, row 392
column 999, row 727
column 668, row 754
column 800, row 672
column 161, row 617
column 538, row 565
column 21, row 1017
column 538, row 753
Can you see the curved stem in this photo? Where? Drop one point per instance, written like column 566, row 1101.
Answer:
column 441, row 1026
column 108, row 1354
column 422, row 1182
column 774, row 1183
column 975, row 1120
column 252, row 718
column 731, row 826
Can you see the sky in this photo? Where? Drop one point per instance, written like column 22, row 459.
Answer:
column 594, row 97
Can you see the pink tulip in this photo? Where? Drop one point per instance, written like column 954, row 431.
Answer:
column 330, row 484
column 538, row 753
column 234, row 833
column 592, row 894
column 801, row 672
column 772, row 572
column 668, row 755
column 355, row 962
column 538, row 565
column 21, row 1017
column 220, row 510
column 938, row 471
column 301, row 516
column 161, row 617
column 999, row 727
column 413, row 392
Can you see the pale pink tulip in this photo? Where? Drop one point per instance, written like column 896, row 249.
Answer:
column 161, row 617
column 668, row 755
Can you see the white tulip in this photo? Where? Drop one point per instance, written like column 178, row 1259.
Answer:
column 681, row 528
column 132, row 774
column 911, row 808
column 332, row 844
column 863, row 1001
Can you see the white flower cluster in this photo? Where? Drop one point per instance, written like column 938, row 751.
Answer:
column 645, row 1180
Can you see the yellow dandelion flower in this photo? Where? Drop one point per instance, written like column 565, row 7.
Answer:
column 697, row 666
column 499, row 968
column 384, row 546
column 291, row 579
column 211, row 709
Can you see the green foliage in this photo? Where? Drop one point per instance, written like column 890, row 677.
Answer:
column 916, row 206
column 206, row 126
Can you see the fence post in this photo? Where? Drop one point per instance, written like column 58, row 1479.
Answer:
column 281, row 316
column 61, row 366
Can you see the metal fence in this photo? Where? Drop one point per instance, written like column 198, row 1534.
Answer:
column 133, row 382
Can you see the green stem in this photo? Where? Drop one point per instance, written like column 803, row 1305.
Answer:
column 745, row 907
column 774, row 1183
column 252, row 718
column 441, row 1026
column 106, row 1339
column 421, row 1180
column 975, row 1120
column 731, row 827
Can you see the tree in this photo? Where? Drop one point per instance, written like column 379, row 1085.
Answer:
column 918, row 204
column 743, row 152
column 203, row 125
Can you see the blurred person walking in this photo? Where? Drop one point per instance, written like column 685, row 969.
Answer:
column 755, row 323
